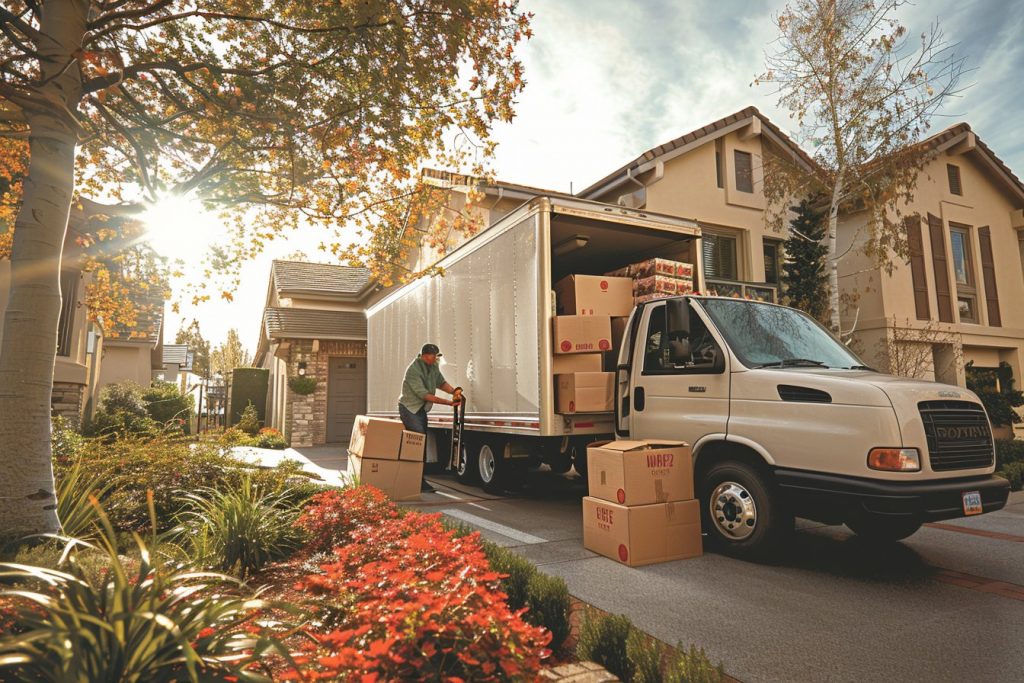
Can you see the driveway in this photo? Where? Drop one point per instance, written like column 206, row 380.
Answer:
column 947, row 604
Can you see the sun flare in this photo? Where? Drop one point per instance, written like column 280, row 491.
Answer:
column 180, row 228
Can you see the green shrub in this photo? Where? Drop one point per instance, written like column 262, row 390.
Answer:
column 122, row 412
column 238, row 530
column 1014, row 473
column 65, row 441
column 603, row 640
column 520, row 570
column 77, row 516
column 303, row 386
column 169, row 407
column 646, row 656
column 692, row 666
column 250, row 420
column 249, row 385
column 1007, row 451
column 547, row 598
column 143, row 619
column 268, row 437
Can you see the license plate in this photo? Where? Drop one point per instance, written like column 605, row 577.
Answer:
column 972, row 503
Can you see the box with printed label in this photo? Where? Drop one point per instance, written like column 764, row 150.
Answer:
column 582, row 333
column 412, row 446
column 399, row 479
column 644, row 534
column 594, row 295
column 640, row 472
column 374, row 437
column 585, row 392
column 575, row 362
column 655, row 284
column 655, row 266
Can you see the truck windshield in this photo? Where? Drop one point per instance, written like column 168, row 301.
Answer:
column 763, row 335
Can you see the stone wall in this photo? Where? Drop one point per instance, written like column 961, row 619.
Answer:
column 66, row 401
column 306, row 416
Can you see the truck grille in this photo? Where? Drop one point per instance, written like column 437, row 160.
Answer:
column 959, row 437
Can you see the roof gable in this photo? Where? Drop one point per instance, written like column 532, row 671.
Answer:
column 300, row 277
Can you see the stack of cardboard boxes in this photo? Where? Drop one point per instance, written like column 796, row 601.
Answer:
column 384, row 454
column 657, row 278
column 641, row 508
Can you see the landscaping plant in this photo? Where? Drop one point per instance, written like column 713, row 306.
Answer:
column 517, row 569
column 169, row 407
column 547, row 601
column 603, row 640
column 333, row 516
column 646, row 655
column 250, row 420
column 692, row 666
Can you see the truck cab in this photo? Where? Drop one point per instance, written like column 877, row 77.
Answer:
column 786, row 421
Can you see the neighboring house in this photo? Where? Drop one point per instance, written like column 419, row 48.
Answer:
column 177, row 363
column 314, row 324
column 959, row 299
column 135, row 354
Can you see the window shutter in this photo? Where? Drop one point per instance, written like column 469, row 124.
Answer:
column 709, row 256
column 988, row 274
column 954, row 179
column 940, row 265
column 744, row 171
column 917, row 269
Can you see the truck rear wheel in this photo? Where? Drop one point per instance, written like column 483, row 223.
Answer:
column 492, row 466
column 739, row 513
column 467, row 471
column 881, row 528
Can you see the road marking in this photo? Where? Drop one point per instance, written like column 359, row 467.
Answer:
column 476, row 520
column 1003, row 589
column 448, row 495
column 999, row 536
column 478, row 505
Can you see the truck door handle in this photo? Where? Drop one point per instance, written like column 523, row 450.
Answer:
column 638, row 399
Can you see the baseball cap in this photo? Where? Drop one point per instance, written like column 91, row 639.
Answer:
column 430, row 348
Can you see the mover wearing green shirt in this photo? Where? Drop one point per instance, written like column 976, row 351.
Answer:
column 422, row 378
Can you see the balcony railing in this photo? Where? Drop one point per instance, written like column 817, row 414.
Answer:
column 755, row 291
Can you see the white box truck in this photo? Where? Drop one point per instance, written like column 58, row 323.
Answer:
column 783, row 419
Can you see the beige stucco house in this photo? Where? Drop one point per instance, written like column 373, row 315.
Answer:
column 314, row 324
column 135, row 354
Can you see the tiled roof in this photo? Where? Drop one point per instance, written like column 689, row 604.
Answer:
column 959, row 129
column 660, row 150
column 307, row 323
column 319, row 278
column 175, row 354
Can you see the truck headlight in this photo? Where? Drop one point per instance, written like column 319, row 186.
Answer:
column 894, row 459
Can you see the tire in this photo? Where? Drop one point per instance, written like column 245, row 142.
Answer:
column 579, row 457
column 558, row 455
column 881, row 528
column 740, row 512
column 492, row 468
column 467, row 471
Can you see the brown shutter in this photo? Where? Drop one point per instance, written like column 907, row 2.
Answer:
column 955, row 187
column 988, row 273
column 917, row 270
column 943, row 294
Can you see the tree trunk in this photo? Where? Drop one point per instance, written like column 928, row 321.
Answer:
column 29, row 345
column 833, row 260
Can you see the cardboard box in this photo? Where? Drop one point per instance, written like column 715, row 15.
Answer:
column 399, row 479
column 655, row 284
column 576, row 362
column 641, row 535
column 594, row 295
column 640, row 472
column 655, row 266
column 582, row 333
column 378, row 438
column 585, row 392
column 412, row 446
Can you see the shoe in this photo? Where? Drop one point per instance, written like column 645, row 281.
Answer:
column 426, row 488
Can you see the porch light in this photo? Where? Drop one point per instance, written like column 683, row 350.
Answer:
column 302, row 368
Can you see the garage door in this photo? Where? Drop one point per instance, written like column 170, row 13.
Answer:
column 346, row 396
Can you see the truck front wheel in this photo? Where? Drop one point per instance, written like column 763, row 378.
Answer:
column 467, row 471
column 882, row 529
column 739, row 513
column 492, row 466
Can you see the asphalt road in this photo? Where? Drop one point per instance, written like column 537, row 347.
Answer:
column 947, row 604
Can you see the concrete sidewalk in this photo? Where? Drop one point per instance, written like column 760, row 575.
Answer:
column 326, row 462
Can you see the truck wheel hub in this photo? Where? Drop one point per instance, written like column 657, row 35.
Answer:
column 733, row 511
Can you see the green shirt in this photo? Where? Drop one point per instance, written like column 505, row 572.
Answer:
column 420, row 379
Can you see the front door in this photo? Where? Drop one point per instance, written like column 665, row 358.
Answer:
column 346, row 396
column 679, row 392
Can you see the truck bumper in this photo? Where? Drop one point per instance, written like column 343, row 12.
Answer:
column 833, row 498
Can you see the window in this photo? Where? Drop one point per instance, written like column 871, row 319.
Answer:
column 68, row 304
column 954, row 179
column 772, row 261
column 744, row 171
column 963, row 274
column 720, row 257
column 677, row 357
column 719, row 160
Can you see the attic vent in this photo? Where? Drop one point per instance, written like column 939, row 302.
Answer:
column 788, row 392
column 955, row 186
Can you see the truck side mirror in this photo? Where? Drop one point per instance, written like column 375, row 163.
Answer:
column 677, row 315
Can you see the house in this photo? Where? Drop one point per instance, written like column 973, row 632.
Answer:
column 314, row 325
column 135, row 354
column 958, row 300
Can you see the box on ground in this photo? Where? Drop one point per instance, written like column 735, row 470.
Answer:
column 585, row 392
column 563, row 364
column 399, row 479
column 640, row 472
column 644, row 534
column 582, row 333
column 594, row 295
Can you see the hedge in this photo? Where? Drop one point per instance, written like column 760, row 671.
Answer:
column 249, row 384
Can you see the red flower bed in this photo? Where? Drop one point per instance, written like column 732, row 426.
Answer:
column 332, row 516
column 416, row 604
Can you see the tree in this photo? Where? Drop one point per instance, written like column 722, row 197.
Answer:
column 274, row 112
column 229, row 355
column 199, row 347
column 804, row 280
column 994, row 386
column 862, row 98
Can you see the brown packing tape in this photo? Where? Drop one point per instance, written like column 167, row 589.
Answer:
column 659, row 491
